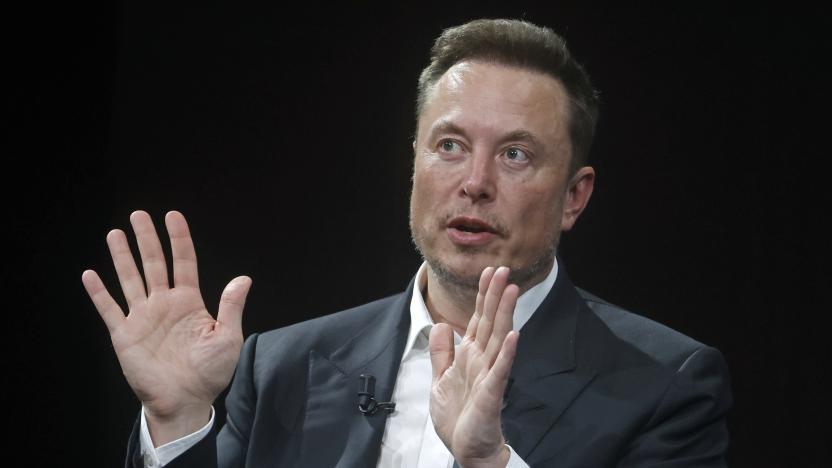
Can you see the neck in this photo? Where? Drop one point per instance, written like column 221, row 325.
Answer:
column 449, row 303
column 454, row 304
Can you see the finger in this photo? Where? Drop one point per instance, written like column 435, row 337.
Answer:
column 441, row 344
column 485, row 278
column 497, row 378
column 503, row 321
column 131, row 281
column 185, row 272
column 153, row 259
column 232, row 301
column 104, row 303
column 489, row 308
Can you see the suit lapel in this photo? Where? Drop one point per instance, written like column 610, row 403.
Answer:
column 544, row 377
column 544, row 381
column 336, row 433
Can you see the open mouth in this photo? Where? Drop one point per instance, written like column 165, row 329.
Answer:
column 471, row 225
column 469, row 228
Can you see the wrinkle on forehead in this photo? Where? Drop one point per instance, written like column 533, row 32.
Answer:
column 523, row 97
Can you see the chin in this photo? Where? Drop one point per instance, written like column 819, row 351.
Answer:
column 452, row 264
column 462, row 272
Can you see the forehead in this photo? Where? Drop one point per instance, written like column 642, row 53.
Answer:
column 498, row 98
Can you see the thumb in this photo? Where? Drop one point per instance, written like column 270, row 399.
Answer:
column 232, row 301
column 441, row 343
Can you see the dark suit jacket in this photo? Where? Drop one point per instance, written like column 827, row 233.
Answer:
column 593, row 386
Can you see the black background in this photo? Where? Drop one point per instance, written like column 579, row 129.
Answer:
column 284, row 135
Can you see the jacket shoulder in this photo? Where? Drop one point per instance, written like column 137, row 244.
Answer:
column 323, row 333
column 659, row 342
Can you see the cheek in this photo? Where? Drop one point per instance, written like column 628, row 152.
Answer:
column 421, row 198
column 421, row 188
column 539, row 214
column 428, row 186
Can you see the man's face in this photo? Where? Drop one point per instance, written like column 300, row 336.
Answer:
column 491, row 183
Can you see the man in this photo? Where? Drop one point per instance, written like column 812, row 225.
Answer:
column 505, row 121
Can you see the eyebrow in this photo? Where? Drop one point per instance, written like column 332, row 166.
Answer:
column 446, row 126
column 522, row 135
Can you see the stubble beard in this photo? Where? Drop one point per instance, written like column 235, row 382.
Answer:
column 466, row 286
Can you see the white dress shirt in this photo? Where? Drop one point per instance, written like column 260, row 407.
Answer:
column 410, row 440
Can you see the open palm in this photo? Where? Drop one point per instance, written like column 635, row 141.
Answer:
column 174, row 354
column 468, row 384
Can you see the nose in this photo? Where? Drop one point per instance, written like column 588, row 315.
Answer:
column 479, row 184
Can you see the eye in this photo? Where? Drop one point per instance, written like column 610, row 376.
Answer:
column 517, row 155
column 450, row 146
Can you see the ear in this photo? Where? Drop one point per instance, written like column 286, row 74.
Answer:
column 577, row 196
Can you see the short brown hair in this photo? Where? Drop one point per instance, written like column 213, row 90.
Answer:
column 522, row 44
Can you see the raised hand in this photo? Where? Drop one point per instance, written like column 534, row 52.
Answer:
column 467, row 391
column 176, row 357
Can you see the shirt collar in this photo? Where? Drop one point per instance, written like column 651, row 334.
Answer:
column 421, row 321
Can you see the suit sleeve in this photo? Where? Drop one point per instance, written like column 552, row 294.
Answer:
column 688, row 427
column 228, row 448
